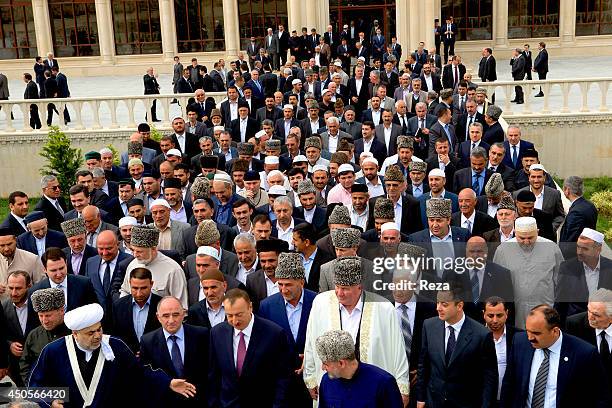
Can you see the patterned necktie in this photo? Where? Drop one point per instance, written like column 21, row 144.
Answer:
column 539, row 388
column 475, row 282
column 406, row 329
column 476, row 184
column 177, row 360
column 241, row 354
column 59, row 207
column 450, row 344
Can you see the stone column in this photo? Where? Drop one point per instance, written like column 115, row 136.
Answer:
column 430, row 13
column 167, row 24
column 294, row 16
column 42, row 27
column 567, row 21
column 404, row 15
column 500, row 23
column 232, row 34
column 106, row 36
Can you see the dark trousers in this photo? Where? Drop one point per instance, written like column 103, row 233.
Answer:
column 282, row 57
column 34, row 117
column 518, row 93
column 153, row 111
column 528, row 73
column 449, row 49
column 50, row 109
column 542, row 75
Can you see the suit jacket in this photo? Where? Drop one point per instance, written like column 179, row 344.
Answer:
column 319, row 222
column 265, row 371
column 522, row 147
column 88, row 252
column 580, row 369
column 184, row 86
column 362, row 95
column 263, row 114
column 228, row 264
column 279, row 128
column 494, row 134
column 307, row 129
column 541, row 62
column 80, row 292
column 551, row 204
column 435, row 81
column 123, row 320
column 341, row 135
column 11, row 222
column 572, row 291
column 31, row 91
column 447, row 194
column 489, row 73
column 92, row 271
column 461, row 129
column 411, row 221
column 256, row 287
column 436, row 131
column 193, row 289
column 192, row 145
column 154, row 351
column 377, row 148
column 465, row 149
column 518, row 67
column 482, row 222
column 582, row 213
column 463, row 179
column 423, row 239
column 27, row 241
column 396, row 130
column 449, row 169
column 470, row 377
column 148, row 155
column 353, row 129
column 448, row 75
column 425, row 309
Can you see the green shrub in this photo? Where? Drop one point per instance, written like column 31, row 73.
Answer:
column 63, row 161
column 603, row 202
column 112, row 148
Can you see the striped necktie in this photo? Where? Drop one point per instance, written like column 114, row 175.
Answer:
column 406, row 329
column 539, row 388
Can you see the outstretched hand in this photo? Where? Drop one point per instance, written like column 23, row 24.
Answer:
column 182, row 387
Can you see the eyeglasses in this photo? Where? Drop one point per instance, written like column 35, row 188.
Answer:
column 54, row 187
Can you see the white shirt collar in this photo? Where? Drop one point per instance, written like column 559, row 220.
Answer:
column 608, row 331
column 247, row 330
column 180, row 334
column 457, row 326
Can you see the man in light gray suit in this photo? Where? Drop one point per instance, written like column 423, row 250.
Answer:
column 387, row 132
column 271, row 46
column 171, row 231
column 177, row 70
column 346, row 243
column 333, row 131
column 417, row 95
column 350, row 125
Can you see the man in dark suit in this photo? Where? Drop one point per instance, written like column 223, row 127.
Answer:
column 525, row 205
column 515, row 147
column 468, row 217
column 18, row 206
column 39, row 237
column 540, row 65
column 308, row 210
column 476, row 176
column 582, row 213
column 279, row 308
column 387, row 127
column 269, row 111
column 187, row 143
column 17, row 325
column 141, row 304
column 442, row 129
column 305, row 241
column 377, row 148
column 151, row 87
column 244, row 127
column 452, row 73
column 470, row 116
column 31, row 92
column 575, row 284
column 101, row 269
column 518, row 74
column 458, row 364
column 209, row 311
column 63, row 90
column 79, row 288
column 184, row 85
column 494, row 132
column 449, row 33
column 77, row 252
column 489, row 73
column 283, row 125
column 474, row 140
column 544, row 353
column 595, row 326
column 358, row 90
column 267, row 254
column 51, row 92
column 258, row 363
column 181, row 350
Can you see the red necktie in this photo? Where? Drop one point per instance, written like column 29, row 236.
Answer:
column 241, row 354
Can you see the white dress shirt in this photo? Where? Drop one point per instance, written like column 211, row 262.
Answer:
column 350, row 321
column 181, row 141
column 112, row 264
column 608, row 337
column 411, row 311
column 539, row 198
column 286, row 235
column 457, row 326
column 358, row 83
column 468, row 223
column 40, row 245
column 332, row 143
column 398, row 213
column 501, row 348
column 242, row 273
column 376, row 116
column 271, row 287
column 550, row 399
column 592, row 276
column 247, row 338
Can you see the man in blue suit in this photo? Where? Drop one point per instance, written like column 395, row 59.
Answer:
column 515, row 147
column 249, row 358
column 582, row 213
column 290, row 309
column 39, row 237
column 476, row 175
column 549, row 368
column 436, row 181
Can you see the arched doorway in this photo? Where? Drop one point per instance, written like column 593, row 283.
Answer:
column 361, row 14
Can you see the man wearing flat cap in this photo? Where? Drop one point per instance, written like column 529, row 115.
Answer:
column 100, row 370
column 348, row 380
column 168, row 276
column 534, row 264
column 39, row 237
column 15, row 259
column 369, row 318
column 48, row 304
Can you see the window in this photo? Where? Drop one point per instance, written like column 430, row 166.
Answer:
column 256, row 16
column 533, row 18
column 199, row 25
column 474, row 18
column 136, row 27
column 17, row 37
column 74, row 28
column 593, row 17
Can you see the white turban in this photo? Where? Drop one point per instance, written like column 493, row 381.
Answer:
column 85, row 316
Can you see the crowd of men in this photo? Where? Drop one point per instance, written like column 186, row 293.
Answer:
column 237, row 261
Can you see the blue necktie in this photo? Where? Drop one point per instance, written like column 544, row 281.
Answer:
column 448, row 135
column 514, row 156
column 450, row 345
column 177, row 360
column 475, row 286
column 476, row 184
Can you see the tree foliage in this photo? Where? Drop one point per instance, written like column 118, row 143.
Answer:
column 62, row 160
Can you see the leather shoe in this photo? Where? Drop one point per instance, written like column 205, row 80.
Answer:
column 520, row 102
column 539, row 95
column 512, row 101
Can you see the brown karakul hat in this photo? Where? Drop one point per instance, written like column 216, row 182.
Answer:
column 506, row 203
column 246, row 149
column 200, row 188
column 207, row 233
column 215, row 112
column 73, row 227
column 312, row 141
column 417, row 166
column 240, row 165
column 145, row 236
column 438, row 208
column 394, row 173
column 405, row 142
column 384, row 209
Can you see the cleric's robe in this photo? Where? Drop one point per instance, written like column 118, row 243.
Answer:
column 124, row 381
column 534, row 274
column 380, row 337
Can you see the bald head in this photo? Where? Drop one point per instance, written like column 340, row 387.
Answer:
column 90, row 211
column 467, row 193
column 107, row 245
column 136, row 137
column 476, row 250
column 467, row 202
column 91, row 216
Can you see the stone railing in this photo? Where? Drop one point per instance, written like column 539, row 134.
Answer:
column 561, row 96
column 94, row 114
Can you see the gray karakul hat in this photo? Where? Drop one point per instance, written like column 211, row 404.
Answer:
column 412, row 251
column 144, row 236
column 273, row 144
column 200, row 188
column 345, row 237
column 312, row 141
column 347, row 271
column 335, row 345
column 73, row 227
column 405, row 142
column 384, row 208
column 416, row 166
column 435, row 208
column 306, row 187
column 44, row 300
column 506, row 203
column 246, row 149
column 134, row 148
column 393, row 173
column 207, row 233
column 339, row 215
column 495, row 185
column 494, row 112
column 290, row 266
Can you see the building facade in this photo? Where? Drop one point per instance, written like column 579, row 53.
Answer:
column 120, row 36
